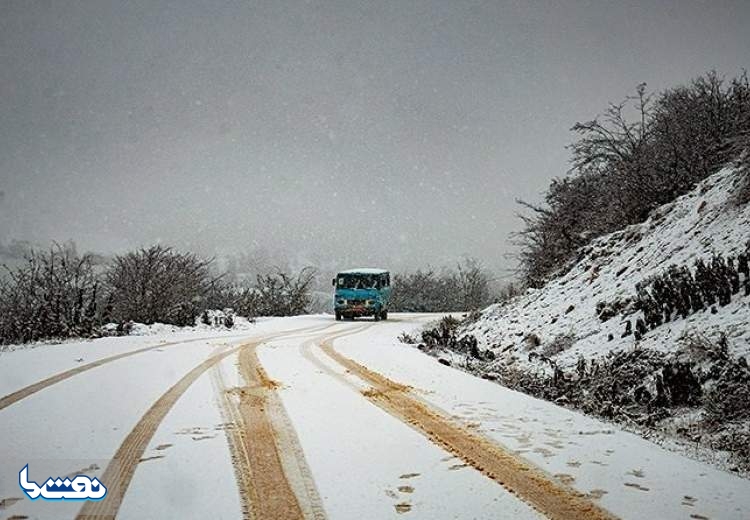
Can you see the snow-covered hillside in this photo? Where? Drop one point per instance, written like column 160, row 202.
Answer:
column 696, row 225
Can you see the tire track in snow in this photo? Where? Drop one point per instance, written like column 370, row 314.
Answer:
column 306, row 351
column 233, row 421
column 31, row 389
column 270, row 467
column 119, row 473
column 513, row 473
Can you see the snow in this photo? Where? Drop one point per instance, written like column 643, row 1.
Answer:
column 190, row 443
column 83, row 419
column 357, row 453
column 596, row 455
column 364, row 270
column 23, row 365
column 363, row 461
column 696, row 225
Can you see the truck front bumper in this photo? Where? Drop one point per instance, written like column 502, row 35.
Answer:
column 354, row 311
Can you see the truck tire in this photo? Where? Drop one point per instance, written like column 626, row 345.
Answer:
column 338, row 316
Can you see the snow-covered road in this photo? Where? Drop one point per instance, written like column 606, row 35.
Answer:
column 311, row 418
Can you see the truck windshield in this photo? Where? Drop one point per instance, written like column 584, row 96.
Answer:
column 358, row 281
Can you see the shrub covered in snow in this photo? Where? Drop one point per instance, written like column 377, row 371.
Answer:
column 55, row 294
column 218, row 318
column 157, row 284
column 444, row 336
column 679, row 291
column 277, row 293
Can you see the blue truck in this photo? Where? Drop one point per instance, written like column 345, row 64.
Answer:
column 362, row 292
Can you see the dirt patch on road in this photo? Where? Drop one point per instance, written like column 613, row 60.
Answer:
column 553, row 499
column 271, row 471
column 265, row 489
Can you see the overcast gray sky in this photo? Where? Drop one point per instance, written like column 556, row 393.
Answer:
column 389, row 133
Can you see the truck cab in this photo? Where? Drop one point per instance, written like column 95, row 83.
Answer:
column 362, row 292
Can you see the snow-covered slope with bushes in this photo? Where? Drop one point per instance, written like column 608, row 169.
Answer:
column 561, row 319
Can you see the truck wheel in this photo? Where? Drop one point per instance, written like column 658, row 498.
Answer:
column 377, row 316
column 338, row 316
column 384, row 315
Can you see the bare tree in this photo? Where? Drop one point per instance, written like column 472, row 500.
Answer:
column 617, row 148
column 473, row 283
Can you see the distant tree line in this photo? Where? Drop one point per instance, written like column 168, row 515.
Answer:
column 59, row 293
column 636, row 156
column 467, row 287
column 278, row 293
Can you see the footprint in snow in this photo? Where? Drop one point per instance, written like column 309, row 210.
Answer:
column 596, row 493
column 403, row 506
column 636, row 486
column 7, row 502
column 564, row 478
column 687, row 500
column 153, row 457
column 544, row 452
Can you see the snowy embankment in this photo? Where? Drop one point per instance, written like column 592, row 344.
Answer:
column 667, row 361
column 695, row 226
